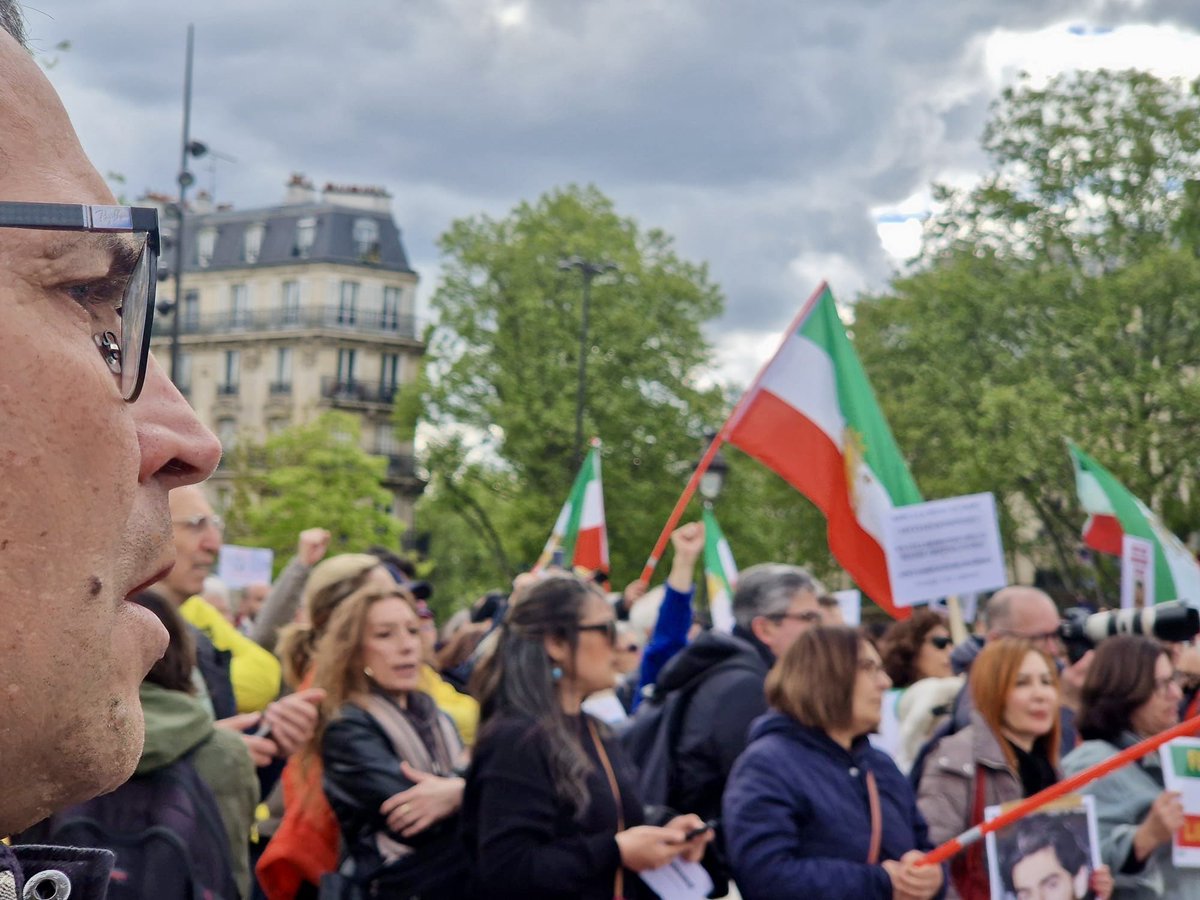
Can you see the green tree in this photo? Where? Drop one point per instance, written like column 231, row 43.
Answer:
column 1056, row 299
column 312, row 476
column 503, row 366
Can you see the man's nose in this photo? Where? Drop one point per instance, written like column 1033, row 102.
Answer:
column 175, row 448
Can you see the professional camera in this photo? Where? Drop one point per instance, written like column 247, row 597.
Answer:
column 1081, row 630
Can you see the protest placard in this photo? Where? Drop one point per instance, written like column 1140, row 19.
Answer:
column 1181, row 772
column 1058, row 844
column 242, row 566
column 850, row 603
column 943, row 547
column 1137, row 572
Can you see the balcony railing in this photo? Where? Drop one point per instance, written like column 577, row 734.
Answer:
column 292, row 318
column 227, row 390
column 401, row 465
column 351, row 391
column 280, row 388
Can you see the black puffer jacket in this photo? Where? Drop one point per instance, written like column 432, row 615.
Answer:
column 361, row 772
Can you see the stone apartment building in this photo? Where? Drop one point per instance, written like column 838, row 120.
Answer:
column 292, row 310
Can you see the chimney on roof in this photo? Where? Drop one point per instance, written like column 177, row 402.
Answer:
column 353, row 196
column 300, row 190
column 202, row 205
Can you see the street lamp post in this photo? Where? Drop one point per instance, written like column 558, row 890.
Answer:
column 589, row 270
column 186, row 179
column 713, row 480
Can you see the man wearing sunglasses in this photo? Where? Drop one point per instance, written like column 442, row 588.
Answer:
column 94, row 436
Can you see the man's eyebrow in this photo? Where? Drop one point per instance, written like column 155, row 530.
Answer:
column 123, row 251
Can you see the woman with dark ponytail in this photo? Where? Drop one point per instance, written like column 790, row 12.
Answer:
column 551, row 807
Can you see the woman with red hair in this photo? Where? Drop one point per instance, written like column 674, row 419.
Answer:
column 1007, row 753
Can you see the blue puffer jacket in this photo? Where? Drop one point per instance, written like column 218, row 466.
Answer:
column 797, row 821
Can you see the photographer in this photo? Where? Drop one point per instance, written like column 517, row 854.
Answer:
column 1131, row 694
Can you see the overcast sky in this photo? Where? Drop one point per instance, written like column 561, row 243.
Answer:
column 781, row 141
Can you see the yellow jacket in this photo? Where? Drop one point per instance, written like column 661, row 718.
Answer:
column 255, row 672
column 461, row 708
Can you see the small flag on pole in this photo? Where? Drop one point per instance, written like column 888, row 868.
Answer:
column 1114, row 512
column 812, row 418
column 720, row 572
column 580, row 531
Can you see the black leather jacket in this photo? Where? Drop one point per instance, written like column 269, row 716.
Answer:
column 361, row 772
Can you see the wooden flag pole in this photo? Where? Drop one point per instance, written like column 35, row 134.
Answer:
column 955, row 845
column 958, row 625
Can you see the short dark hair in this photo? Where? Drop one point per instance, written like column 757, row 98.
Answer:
column 813, row 682
column 902, row 642
column 1037, row 833
column 12, row 21
column 174, row 670
column 1119, row 680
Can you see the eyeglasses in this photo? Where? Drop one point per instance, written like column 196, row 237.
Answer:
column 200, row 523
column 629, row 648
column 1046, row 637
column 126, row 355
column 810, row 618
column 1163, row 685
column 941, row 641
column 870, row 666
column 607, row 628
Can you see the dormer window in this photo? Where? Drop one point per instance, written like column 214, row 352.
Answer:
column 252, row 242
column 366, row 239
column 306, row 235
column 206, row 243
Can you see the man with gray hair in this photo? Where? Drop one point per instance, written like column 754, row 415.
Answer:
column 723, row 676
column 94, row 437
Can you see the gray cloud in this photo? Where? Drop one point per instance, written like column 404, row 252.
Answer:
column 759, row 133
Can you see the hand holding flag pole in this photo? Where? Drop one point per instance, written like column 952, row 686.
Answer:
column 955, row 845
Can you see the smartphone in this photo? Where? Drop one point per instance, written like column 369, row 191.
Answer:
column 696, row 832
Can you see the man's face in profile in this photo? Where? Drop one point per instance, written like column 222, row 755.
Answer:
column 1040, row 876
column 83, row 510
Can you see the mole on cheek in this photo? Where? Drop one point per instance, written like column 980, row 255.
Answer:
column 96, row 586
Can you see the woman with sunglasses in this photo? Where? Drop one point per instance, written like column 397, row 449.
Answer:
column 551, row 807
column 1007, row 753
column 916, row 656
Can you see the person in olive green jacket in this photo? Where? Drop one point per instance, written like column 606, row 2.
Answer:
column 178, row 722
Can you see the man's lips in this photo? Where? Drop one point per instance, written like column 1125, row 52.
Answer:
column 152, row 580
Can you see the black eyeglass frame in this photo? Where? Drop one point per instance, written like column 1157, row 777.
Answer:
column 608, row 629
column 106, row 220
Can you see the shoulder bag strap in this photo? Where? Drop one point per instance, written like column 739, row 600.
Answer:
column 876, row 819
column 619, row 880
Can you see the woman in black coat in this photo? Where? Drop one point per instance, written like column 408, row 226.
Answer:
column 388, row 753
column 551, row 807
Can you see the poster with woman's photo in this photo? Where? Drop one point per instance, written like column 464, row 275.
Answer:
column 1047, row 855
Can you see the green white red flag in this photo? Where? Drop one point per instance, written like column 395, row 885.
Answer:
column 812, row 417
column 580, row 531
column 1114, row 512
column 720, row 572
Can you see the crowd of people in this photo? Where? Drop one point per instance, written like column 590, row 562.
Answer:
column 322, row 737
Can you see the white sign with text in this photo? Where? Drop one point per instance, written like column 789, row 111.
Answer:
column 1137, row 572
column 239, row 567
column 944, row 547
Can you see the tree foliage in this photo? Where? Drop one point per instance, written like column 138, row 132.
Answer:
column 1059, row 298
column 312, row 476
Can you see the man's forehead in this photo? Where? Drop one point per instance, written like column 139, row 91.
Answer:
column 189, row 501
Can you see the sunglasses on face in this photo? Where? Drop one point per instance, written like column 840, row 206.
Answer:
column 607, row 628
column 941, row 641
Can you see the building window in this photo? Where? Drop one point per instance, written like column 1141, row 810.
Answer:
column 348, row 303
column 345, row 370
column 191, row 311
column 290, row 303
column 185, row 372
column 389, row 319
column 283, row 366
column 306, row 236
column 239, row 305
column 233, row 371
column 206, row 243
column 389, row 372
column 227, row 433
column 252, row 242
column 366, row 239
column 386, row 443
